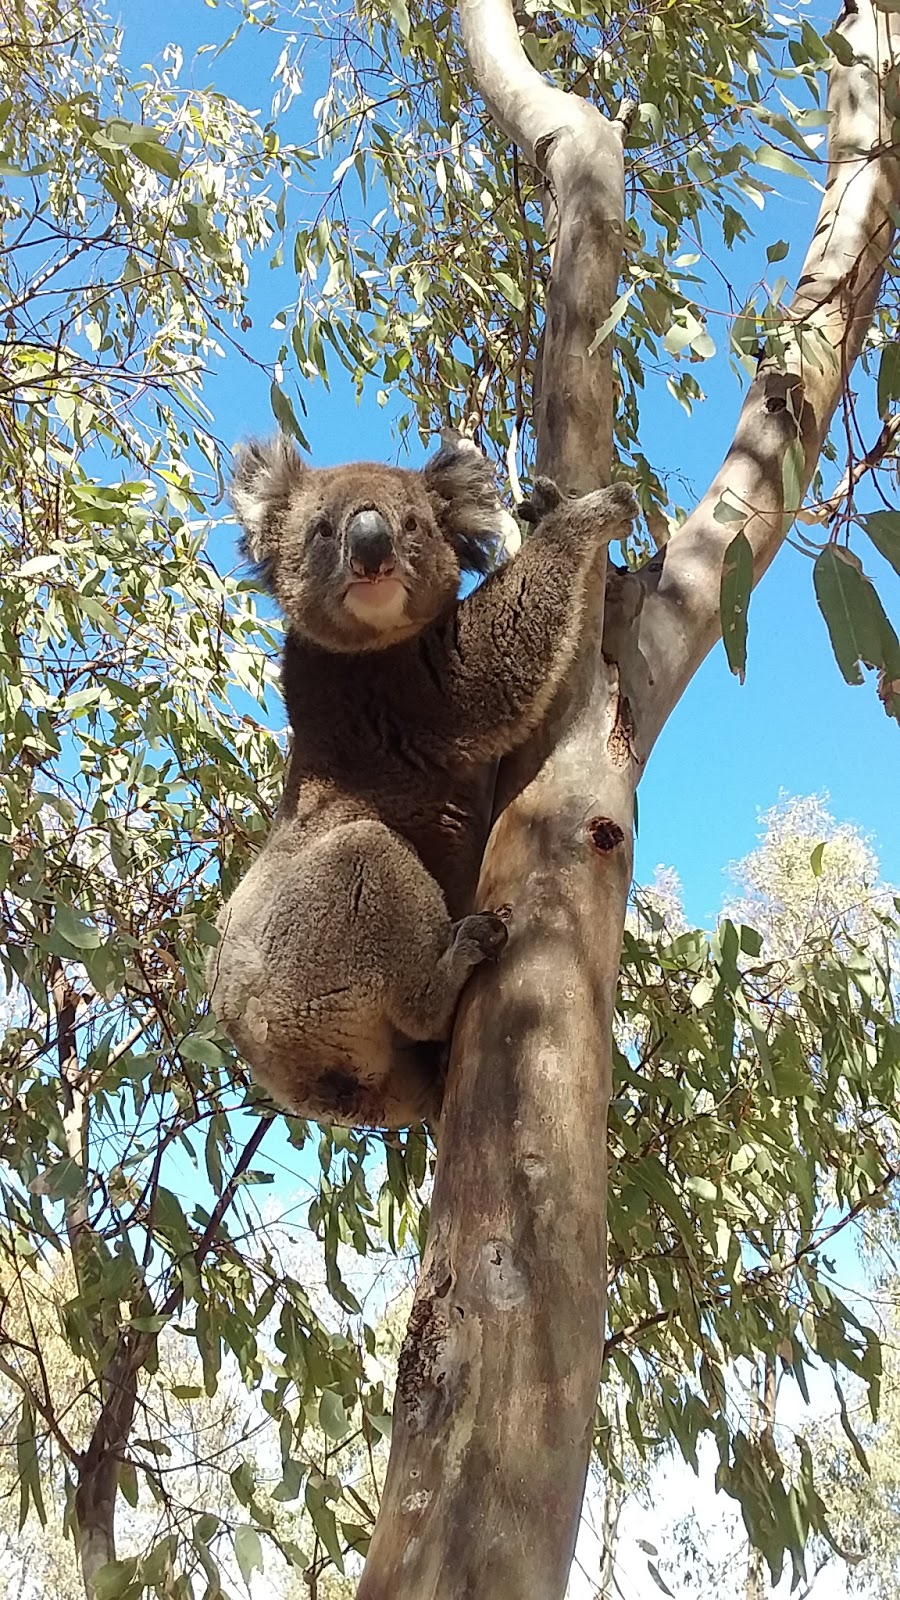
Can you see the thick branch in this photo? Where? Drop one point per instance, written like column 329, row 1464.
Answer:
column 794, row 400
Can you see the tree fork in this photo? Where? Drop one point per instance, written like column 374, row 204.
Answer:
column 498, row 1377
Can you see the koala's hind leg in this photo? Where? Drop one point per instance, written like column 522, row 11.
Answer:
column 337, row 956
column 423, row 1002
column 400, row 933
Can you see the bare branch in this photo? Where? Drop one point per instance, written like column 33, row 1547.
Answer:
column 579, row 151
column 829, row 510
column 793, row 398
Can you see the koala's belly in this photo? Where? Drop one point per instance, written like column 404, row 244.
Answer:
column 444, row 815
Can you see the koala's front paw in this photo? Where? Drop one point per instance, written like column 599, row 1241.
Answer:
column 480, row 937
column 614, row 507
column 545, row 497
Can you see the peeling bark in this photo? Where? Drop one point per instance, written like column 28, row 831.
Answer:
column 499, row 1373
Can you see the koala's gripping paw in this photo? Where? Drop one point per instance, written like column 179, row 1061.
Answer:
column 480, row 937
column 545, row 497
column 613, row 508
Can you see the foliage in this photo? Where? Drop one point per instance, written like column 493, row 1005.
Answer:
column 862, row 1497
column 139, row 767
column 756, row 1122
column 756, row 1106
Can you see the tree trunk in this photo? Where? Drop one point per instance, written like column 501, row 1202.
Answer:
column 498, row 1376
column 98, row 1468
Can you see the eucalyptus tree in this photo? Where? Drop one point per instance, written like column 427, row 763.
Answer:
column 492, row 223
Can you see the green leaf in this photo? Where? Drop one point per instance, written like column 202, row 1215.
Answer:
column 734, row 601
column 726, row 513
column 843, row 49
column 114, row 1578
column 658, row 1579
column 617, row 312
column 792, row 473
column 62, row 1180
column 815, row 859
column 248, row 1550
column 766, row 156
column 883, row 528
column 853, row 613
column 75, row 932
column 777, row 251
column 283, row 412
column 889, row 378
column 203, row 1051
column 332, row 1416
column 29, row 1467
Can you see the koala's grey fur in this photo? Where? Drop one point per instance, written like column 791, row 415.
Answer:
column 344, row 949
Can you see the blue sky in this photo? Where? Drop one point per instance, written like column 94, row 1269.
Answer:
column 728, row 750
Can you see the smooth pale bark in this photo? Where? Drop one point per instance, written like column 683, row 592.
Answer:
column 828, row 319
column 498, row 1376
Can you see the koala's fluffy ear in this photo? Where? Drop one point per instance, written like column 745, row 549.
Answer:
column 461, row 485
column 265, row 478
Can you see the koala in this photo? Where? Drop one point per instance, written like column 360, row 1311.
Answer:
column 343, row 951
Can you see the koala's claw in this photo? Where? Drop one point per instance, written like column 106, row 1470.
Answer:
column 481, row 936
column 546, row 496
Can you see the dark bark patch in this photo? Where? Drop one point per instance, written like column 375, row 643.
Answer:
column 421, row 1368
column 605, row 834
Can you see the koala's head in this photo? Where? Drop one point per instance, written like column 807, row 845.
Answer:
column 360, row 557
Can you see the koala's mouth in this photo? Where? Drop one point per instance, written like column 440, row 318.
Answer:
column 378, row 600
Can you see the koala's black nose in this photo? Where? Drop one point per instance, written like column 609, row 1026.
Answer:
column 369, row 544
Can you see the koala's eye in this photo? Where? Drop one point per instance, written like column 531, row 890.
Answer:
column 322, row 528
column 410, row 523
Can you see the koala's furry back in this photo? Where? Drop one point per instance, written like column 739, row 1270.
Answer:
column 344, row 949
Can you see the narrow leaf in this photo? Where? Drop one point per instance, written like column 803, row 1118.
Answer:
column 248, row 1551
column 883, row 528
column 857, row 625
column 734, row 600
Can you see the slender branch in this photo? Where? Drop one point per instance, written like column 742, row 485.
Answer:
column 788, row 409
column 829, row 510
column 175, row 1296
column 763, row 1276
column 42, row 1408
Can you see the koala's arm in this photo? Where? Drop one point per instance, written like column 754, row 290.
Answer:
column 500, row 658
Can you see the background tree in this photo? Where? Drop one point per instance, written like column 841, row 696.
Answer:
column 140, row 767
